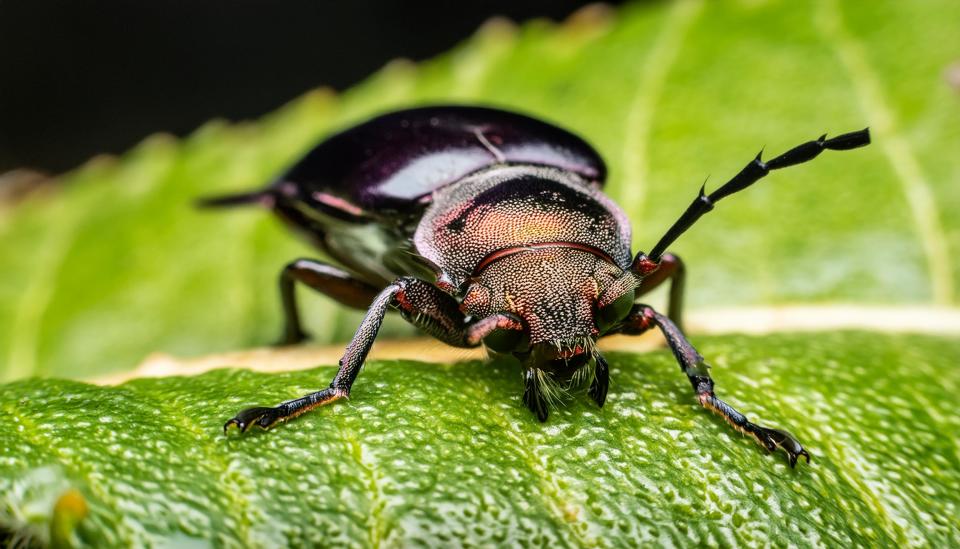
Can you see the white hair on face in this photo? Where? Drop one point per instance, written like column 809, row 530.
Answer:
column 555, row 390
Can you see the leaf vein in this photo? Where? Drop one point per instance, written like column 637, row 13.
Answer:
column 369, row 467
column 32, row 433
column 234, row 492
column 913, row 182
column 554, row 497
column 868, row 496
column 639, row 120
column 35, row 299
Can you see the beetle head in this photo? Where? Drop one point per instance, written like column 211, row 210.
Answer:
column 565, row 298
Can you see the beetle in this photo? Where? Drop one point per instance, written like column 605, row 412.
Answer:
column 488, row 227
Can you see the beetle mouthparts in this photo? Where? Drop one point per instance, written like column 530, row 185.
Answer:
column 572, row 351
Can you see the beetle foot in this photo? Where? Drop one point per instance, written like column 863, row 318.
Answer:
column 262, row 417
column 771, row 439
column 265, row 418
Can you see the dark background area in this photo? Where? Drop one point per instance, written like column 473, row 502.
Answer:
column 82, row 78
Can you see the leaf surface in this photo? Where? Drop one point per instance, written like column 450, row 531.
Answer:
column 428, row 454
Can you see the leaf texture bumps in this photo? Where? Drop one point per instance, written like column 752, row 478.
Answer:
column 437, row 454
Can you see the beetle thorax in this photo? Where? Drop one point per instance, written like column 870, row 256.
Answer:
column 514, row 206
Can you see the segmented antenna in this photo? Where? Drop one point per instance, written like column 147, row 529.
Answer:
column 753, row 172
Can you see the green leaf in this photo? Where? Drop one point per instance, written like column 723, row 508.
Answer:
column 427, row 454
column 119, row 264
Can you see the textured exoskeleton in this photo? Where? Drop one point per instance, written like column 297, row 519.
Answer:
column 487, row 227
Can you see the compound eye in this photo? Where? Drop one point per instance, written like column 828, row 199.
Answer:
column 613, row 313
column 507, row 341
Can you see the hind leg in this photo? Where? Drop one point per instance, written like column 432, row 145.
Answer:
column 331, row 281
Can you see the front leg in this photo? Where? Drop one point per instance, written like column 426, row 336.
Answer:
column 423, row 305
column 644, row 317
column 420, row 302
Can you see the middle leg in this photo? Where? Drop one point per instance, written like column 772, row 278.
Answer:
column 331, row 281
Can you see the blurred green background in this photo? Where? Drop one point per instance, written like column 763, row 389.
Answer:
column 116, row 263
